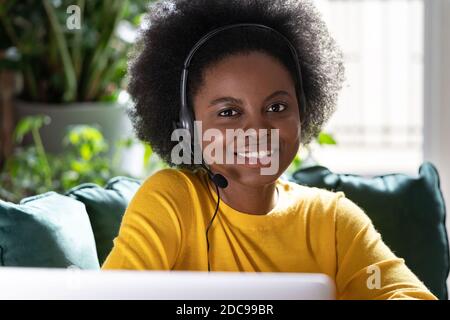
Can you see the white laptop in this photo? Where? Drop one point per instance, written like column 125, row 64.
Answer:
column 62, row 284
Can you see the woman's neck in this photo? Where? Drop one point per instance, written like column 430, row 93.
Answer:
column 249, row 199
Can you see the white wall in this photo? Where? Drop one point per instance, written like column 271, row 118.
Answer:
column 378, row 123
column 436, row 145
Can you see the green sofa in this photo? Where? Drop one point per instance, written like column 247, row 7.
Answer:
column 76, row 229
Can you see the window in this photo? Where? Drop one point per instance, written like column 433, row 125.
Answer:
column 378, row 123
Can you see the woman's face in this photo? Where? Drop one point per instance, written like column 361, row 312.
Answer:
column 260, row 94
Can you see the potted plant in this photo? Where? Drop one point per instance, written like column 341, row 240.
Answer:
column 72, row 58
column 31, row 170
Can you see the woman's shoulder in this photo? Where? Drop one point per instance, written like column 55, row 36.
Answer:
column 169, row 177
column 309, row 195
column 180, row 185
column 331, row 204
column 167, row 190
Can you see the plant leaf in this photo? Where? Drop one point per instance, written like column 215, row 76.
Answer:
column 69, row 70
column 325, row 139
column 148, row 151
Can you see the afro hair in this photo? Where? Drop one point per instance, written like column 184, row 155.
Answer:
column 175, row 26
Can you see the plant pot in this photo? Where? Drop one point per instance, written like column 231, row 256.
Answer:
column 110, row 117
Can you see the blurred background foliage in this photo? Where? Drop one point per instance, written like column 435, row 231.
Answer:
column 31, row 170
column 63, row 65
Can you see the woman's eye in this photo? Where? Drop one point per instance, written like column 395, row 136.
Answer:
column 228, row 113
column 277, row 107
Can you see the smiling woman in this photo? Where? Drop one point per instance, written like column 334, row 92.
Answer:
column 246, row 79
column 252, row 79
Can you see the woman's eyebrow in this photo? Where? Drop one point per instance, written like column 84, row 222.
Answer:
column 239, row 101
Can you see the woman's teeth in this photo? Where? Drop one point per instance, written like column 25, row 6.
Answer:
column 260, row 154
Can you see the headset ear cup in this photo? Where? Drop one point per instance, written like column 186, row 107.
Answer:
column 186, row 120
column 303, row 104
column 190, row 119
column 187, row 123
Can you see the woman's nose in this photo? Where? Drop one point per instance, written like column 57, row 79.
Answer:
column 257, row 121
column 258, row 129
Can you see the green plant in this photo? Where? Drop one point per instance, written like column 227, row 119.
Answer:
column 63, row 65
column 32, row 171
column 85, row 157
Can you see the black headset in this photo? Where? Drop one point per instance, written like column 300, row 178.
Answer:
column 186, row 117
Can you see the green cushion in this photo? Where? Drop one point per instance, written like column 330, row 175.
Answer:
column 48, row 230
column 105, row 207
column 409, row 213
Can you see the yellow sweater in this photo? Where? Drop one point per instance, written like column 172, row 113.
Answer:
column 309, row 230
